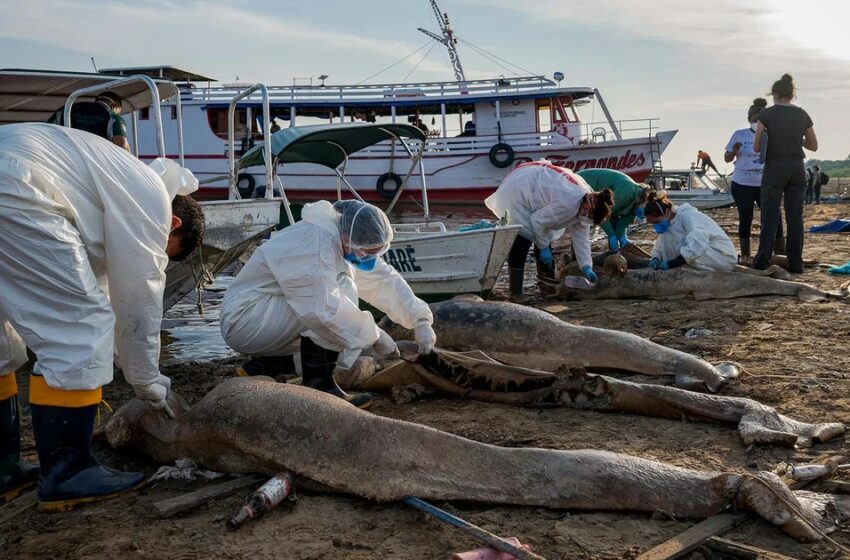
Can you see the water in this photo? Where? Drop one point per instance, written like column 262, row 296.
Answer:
column 191, row 336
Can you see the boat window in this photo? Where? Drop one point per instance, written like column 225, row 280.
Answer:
column 174, row 112
column 145, row 114
column 544, row 115
column 217, row 119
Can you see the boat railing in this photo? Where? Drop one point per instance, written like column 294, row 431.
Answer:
column 380, row 92
column 635, row 128
column 602, row 131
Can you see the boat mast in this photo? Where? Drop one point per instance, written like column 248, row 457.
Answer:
column 448, row 39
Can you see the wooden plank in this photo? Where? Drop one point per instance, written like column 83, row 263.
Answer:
column 190, row 500
column 692, row 538
column 744, row 551
column 17, row 506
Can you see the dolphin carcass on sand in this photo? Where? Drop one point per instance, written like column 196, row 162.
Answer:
column 473, row 375
column 524, row 336
column 686, row 282
column 255, row 425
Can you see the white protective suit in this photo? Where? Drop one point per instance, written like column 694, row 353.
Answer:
column 698, row 238
column 298, row 283
column 82, row 255
column 545, row 200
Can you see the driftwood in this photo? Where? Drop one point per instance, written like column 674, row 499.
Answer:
column 692, row 538
column 191, row 500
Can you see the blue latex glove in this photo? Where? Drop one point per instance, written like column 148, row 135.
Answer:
column 613, row 243
column 589, row 274
column 623, row 241
column 655, row 263
column 546, row 256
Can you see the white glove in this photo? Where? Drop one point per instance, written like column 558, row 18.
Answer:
column 155, row 395
column 385, row 345
column 425, row 337
column 347, row 358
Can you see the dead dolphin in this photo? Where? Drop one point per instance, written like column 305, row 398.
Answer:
column 474, row 375
column 686, row 282
column 524, row 336
column 255, row 425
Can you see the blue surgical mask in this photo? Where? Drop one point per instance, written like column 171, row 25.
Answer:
column 365, row 264
column 661, row 226
column 639, row 213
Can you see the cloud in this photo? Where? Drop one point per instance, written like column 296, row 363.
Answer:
column 237, row 38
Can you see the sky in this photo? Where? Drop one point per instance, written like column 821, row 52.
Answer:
column 696, row 66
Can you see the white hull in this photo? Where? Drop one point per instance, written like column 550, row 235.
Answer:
column 702, row 199
column 456, row 170
column 442, row 264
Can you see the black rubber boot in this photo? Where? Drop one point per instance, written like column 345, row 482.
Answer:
column 15, row 475
column 515, row 279
column 70, row 475
column 272, row 366
column 546, row 280
column 317, row 372
column 746, row 259
column 779, row 245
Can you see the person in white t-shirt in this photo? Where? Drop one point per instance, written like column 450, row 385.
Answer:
column 746, row 180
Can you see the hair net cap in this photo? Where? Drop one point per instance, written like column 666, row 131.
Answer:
column 177, row 179
column 366, row 226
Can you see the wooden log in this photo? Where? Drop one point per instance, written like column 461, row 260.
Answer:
column 191, row 500
column 744, row 551
column 692, row 538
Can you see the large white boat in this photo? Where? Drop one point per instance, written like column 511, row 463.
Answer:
column 477, row 130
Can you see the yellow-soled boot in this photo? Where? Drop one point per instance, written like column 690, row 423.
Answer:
column 63, row 422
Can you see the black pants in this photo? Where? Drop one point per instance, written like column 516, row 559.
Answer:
column 746, row 199
column 519, row 253
column 706, row 163
column 817, row 192
column 810, row 194
column 784, row 177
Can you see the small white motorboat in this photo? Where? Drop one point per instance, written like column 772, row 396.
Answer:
column 692, row 186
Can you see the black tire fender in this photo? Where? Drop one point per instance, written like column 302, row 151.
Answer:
column 246, row 191
column 501, row 155
column 382, row 180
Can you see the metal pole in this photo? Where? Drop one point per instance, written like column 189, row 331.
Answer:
column 100, row 88
column 180, row 153
column 231, row 139
column 604, row 107
column 443, row 117
column 134, row 118
column 479, row 534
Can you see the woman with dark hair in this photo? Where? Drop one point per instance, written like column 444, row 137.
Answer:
column 686, row 236
column 746, row 181
column 629, row 197
column 546, row 200
column 789, row 130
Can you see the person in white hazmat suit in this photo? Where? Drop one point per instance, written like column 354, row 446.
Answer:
column 687, row 237
column 547, row 200
column 87, row 231
column 303, row 286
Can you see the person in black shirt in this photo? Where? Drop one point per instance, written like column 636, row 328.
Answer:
column 789, row 130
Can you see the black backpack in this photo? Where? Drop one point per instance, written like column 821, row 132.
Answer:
column 824, row 178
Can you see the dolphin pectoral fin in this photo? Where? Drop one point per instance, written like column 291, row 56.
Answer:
column 692, row 383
